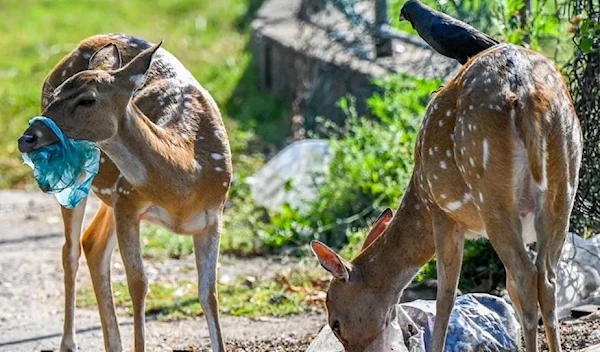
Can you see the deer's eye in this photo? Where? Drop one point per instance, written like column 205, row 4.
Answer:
column 86, row 103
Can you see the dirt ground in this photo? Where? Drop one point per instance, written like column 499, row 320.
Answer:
column 31, row 292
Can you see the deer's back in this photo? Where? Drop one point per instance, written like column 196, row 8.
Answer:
column 472, row 141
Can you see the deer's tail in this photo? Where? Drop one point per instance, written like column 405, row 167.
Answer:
column 531, row 126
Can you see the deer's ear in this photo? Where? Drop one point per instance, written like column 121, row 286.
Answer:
column 107, row 58
column 133, row 75
column 331, row 261
column 381, row 224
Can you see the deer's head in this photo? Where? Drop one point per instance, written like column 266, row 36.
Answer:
column 358, row 311
column 90, row 104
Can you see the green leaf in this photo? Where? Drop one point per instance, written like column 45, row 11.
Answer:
column 586, row 45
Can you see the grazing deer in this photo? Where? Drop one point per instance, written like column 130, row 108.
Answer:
column 165, row 158
column 498, row 157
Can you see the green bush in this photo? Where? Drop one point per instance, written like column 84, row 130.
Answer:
column 372, row 163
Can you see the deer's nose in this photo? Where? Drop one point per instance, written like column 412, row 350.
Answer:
column 27, row 143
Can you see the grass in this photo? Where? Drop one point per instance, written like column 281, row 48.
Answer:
column 210, row 37
column 299, row 292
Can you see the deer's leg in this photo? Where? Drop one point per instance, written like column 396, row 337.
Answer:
column 128, row 235
column 71, row 251
column 206, row 250
column 551, row 226
column 504, row 231
column 99, row 241
column 449, row 242
column 511, row 287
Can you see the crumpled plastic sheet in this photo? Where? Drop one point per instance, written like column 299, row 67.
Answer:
column 292, row 176
column 479, row 322
column 65, row 169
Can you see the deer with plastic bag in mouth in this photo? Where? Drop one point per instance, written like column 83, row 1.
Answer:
column 165, row 158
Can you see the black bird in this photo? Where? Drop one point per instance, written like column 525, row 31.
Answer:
column 447, row 35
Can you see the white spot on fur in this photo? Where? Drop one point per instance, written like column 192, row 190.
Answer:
column 487, row 81
column 430, row 151
column 453, row 206
column 225, row 184
column 106, row 191
column 449, row 113
column 470, row 107
column 102, row 160
column 486, row 152
column 440, row 123
column 63, row 74
column 218, row 169
column 449, row 153
column 443, row 165
column 217, row 156
column 472, row 162
column 480, row 198
column 443, row 196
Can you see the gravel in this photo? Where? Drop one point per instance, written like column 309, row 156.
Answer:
column 575, row 334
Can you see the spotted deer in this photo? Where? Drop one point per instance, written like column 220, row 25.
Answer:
column 497, row 157
column 165, row 159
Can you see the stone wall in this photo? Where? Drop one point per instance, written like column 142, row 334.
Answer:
column 313, row 62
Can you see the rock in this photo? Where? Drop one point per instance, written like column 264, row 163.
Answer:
column 479, row 322
column 292, row 176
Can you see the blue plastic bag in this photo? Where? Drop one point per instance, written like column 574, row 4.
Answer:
column 65, row 169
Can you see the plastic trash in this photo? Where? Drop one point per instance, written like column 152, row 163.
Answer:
column 478, row 322
column 292, row 176
column 65, row 169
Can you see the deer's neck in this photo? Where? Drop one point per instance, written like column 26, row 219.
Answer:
column 140, row 149
column 393, row 260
